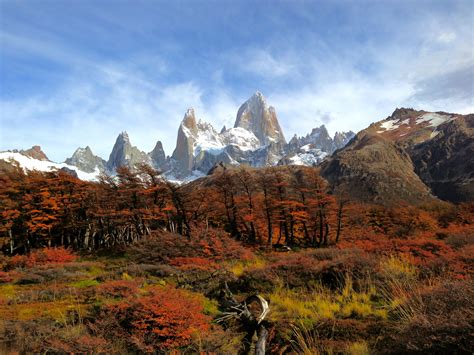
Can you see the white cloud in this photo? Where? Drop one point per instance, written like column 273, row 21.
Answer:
column 262, row 63
column 446, row 37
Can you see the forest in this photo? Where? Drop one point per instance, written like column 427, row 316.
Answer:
column 135, row 263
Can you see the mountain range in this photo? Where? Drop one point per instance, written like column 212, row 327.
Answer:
column 413, row 156
column 255, row 140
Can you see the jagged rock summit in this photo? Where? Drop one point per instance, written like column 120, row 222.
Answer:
column 314, row 147
column 158, row 156
column 257, row 117
column 195, row 138
column 35, row 152
column 256, row 139
column 124, row 154
column 85, row 160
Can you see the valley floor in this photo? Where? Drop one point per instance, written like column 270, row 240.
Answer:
column 165, row 292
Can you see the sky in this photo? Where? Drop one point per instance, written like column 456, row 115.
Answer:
column 76, row 73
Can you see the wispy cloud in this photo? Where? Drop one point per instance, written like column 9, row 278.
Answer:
column 263, row 63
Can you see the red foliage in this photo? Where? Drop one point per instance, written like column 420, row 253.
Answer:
column 212, row 244
column 8, row 276
column 165, row 319
column 46, row 256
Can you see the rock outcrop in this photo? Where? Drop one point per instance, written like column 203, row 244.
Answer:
column 85, row 160
column 158, row 157
column 35, row 152
column 124, row 154
column 446, row 162
column 257, row 117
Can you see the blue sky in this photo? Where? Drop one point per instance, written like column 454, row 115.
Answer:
column 76, row 73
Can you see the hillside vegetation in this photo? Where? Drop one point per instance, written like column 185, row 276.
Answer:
column 137, row 264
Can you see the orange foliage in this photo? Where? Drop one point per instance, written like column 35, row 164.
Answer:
column 165, row 319
column 45, row 256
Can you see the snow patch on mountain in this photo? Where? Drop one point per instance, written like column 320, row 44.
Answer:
column 389, row 125
column 240, row 137
column 206, row 139
column 28, row 164
column 434, row 119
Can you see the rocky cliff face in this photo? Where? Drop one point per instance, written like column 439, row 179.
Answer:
column 255, row 140
column 446, row 162
column 158, row 157
column 257, row 117
column 85, row 160
column 196, row 142
column 183, row 153
column 35, row 152
column 124, row 154
column 410, row 156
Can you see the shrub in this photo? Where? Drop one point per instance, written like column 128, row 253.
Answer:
column 141, row 270
column 47, row 256
column 163, row 247
column 30, row 278
column 8, row 276
column 460, row 239
column 164, row 319
column 196, row 263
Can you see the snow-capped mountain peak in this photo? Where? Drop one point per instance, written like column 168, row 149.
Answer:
column 257, row 117
column 85, row 160
column 256, row 140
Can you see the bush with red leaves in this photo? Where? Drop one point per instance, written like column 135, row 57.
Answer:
column 211, row 244
column 8, row 276
column 164, row 319
column 47, row 256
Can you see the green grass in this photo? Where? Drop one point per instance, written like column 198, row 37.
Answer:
column 85, row 283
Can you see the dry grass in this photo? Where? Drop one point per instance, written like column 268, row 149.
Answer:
column 308, row 307
column 239, row 267
column 401, row 292
column 306, row 341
